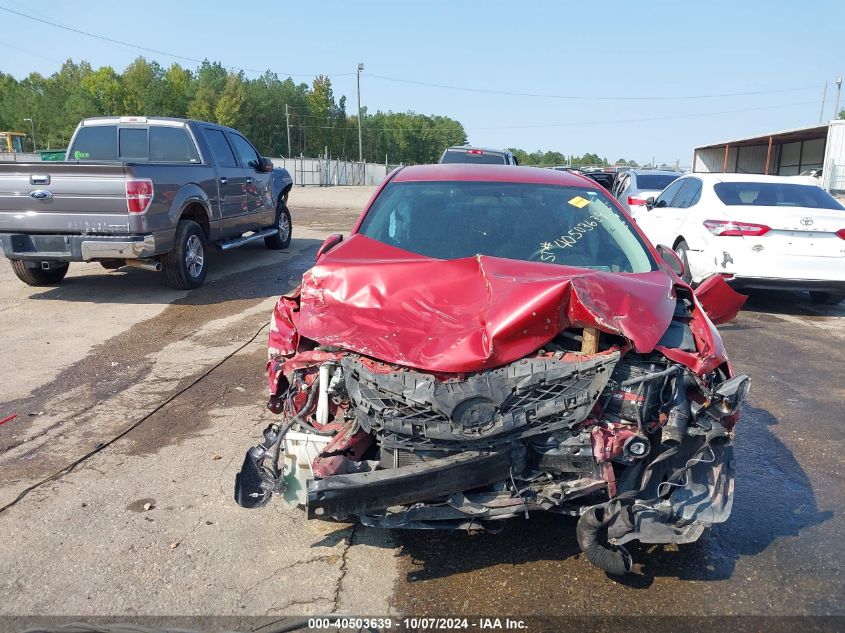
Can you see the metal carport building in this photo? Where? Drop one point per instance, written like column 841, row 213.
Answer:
column 786, row 153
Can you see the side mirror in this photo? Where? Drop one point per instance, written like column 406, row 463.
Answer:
column 265, row 164
column 331, row 241
column 649, row 203
column 671, row 259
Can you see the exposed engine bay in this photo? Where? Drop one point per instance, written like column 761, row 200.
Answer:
column 638, row 445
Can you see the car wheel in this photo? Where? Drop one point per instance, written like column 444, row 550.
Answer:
column 681, row 249
column 827, row 298
column 32, row 274
column 284, row 228
column 186, row 265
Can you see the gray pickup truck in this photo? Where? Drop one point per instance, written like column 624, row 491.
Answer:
column 153, row 193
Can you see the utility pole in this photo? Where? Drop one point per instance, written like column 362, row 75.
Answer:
column 824, row 98
column 287, row 118
column 838, row 90
column 360, row 145
column 32, row 123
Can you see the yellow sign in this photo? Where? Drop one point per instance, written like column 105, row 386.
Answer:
column 579, row 202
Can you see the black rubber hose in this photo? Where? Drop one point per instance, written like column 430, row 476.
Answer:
column 676, row 425
column 591, row 525
column 299, row 417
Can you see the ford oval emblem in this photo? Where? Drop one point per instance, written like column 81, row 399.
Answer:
column 806, row 221
column 40, row 194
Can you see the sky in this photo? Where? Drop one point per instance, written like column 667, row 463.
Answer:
column 636, row 80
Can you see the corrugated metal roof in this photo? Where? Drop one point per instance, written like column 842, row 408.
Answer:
column 784, row 136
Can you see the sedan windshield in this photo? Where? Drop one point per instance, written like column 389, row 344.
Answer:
column 571, row 226
column 775, row 194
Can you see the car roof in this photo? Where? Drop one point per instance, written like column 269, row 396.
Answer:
column 730, row 177
column 657, row 172
column 491, row 173
column 146, row 120
column 483, row 149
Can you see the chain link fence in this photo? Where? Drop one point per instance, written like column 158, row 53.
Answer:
column 329, row 172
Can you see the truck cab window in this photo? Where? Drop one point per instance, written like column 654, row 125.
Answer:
column 220, row 148
column 249, row 157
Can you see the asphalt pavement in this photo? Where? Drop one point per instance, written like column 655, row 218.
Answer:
column 164, row 390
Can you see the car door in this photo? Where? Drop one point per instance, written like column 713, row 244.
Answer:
column 677, row 211
column 258, row 185
column 652, row 220
column 230, row 178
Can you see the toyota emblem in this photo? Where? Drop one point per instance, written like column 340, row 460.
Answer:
column 806, row 221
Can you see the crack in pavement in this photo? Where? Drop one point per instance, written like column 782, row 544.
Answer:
column 343, row 562
column 325, row 558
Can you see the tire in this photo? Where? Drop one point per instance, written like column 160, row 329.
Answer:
column 186, row 265
column 681, row 249
column 281, row 239
column 827, row 298
column 39, row 276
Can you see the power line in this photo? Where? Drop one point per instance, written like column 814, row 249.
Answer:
column 147, row 49
column 586, row 97
column 574, row 124
column 644, row 120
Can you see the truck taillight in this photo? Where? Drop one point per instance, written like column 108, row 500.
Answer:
column 724, row 228
column 841, row 233
column 139, row 195
column 635, row 201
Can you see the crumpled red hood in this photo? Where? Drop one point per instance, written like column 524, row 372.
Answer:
column 467, row 314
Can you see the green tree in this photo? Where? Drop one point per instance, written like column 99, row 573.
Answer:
column 178, row 90
column 318, row 118
column 144, row 89
column 105, row 92
column 231, row 108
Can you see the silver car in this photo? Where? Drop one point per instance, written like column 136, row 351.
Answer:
column 634, row 187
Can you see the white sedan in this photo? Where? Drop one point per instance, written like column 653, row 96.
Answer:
column 755, row 231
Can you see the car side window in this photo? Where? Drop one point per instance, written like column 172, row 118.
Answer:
column 249, row 156
column 665, row 199
column 689, row 195
column 223, row 154
column 623, row 184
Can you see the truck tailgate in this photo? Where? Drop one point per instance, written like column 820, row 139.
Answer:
column 75, row 198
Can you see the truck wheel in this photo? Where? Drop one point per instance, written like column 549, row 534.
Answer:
column 33, row 275
column 827, row 298
column 284, row 228
column 186, row 265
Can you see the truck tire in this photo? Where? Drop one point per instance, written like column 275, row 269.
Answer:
column 284, row 228
column 38, row 276
column 186, row 265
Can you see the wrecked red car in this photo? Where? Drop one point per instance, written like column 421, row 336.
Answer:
column 492, row 342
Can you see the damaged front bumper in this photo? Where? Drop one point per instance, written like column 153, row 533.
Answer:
column 611, row 440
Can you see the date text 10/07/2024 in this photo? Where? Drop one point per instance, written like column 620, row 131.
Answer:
column 417, row 624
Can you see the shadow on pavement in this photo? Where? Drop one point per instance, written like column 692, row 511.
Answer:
column 789, row 303
column 249, row 272
column 773, row 498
